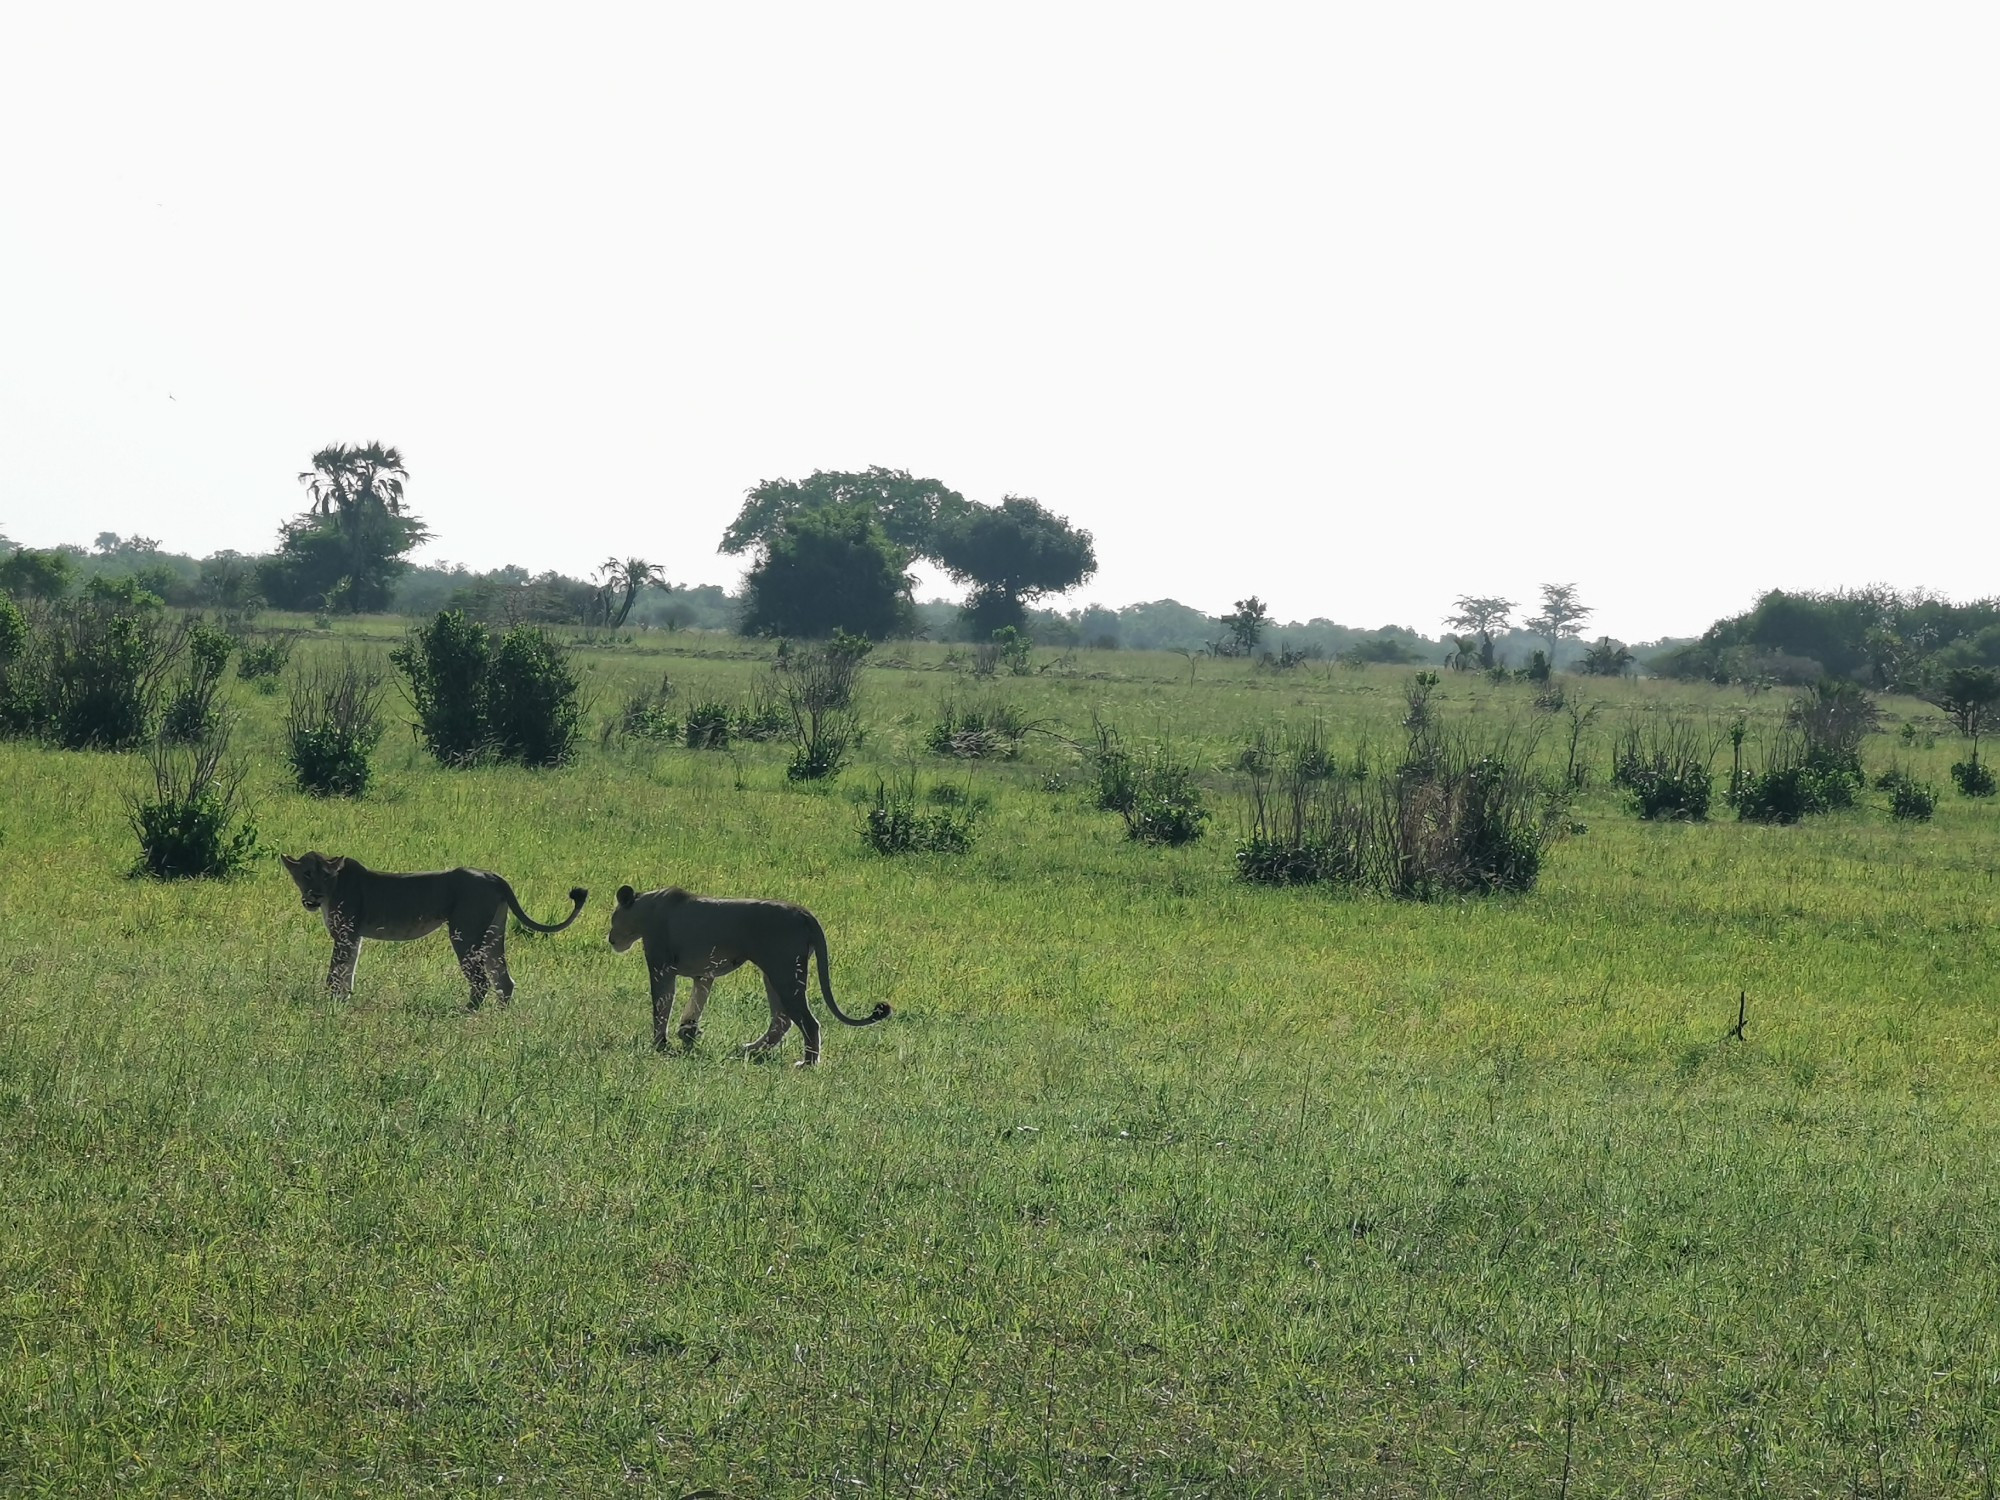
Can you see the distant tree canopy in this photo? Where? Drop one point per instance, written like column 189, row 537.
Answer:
column 909, row 510
column 1897, row 642
column 824, row 569
column 1246, row 625
column 348, row 547
column 1485, row 615
column 34, row 574
column 1561, row 618
column 1010, row 553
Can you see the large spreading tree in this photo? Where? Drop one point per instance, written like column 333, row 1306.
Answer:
column 346, row 550
column 1011, row 553
column 822, row 569
column 908, row 510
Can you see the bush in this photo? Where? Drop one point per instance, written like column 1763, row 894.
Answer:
column 1973, row 778
column 1462, row 818
column 1910, row 800
column 102, row 663
column 1156, row 791
column 192, row 711
column 534, row 698
column 444, row 665
column 817, row 685
column 264, row 661
column 1794, row 785
column 1663, row 770
column 708, row 726
column 332, row 727
column 517, row 699
column 189, row 827
column 895, row 824
column 1453, row 817
column 994, row 730
column 763, row 718
column 648, row 714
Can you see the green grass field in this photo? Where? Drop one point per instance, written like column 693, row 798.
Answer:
column 1155, row 1184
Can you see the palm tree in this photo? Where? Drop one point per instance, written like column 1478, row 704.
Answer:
column 359, row 489
column 348, row 479
column 629, row 577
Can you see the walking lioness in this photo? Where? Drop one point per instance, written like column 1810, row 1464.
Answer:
column 704, row 938
column 357, row 902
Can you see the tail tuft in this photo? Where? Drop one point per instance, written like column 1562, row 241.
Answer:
column 578, row 895
column 881, row 1009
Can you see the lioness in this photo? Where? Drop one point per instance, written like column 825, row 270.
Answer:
column 704, row 938
column 357, row 902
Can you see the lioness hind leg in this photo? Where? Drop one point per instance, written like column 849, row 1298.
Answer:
column 792, row 997
column 780, row 1024
column 496, row 959
column 472, row 962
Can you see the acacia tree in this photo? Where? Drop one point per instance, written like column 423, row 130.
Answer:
column 1561, row 618
column 826, row 569
column 1481, row 615
column 348, row 546
column 1246, row 626
column 1970, row 695
column 629, row 578
column 1010, row 553
column 907, row 509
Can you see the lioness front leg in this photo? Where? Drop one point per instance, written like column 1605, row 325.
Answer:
column 690, row 1027
column 663, row 977
column 340, row 977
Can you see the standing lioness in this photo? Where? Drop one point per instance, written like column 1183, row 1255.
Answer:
column 357, row 902
column 704, row 937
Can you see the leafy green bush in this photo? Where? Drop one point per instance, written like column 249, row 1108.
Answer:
column 517, row 699
column 261, row 663
column 1306, row 826
column 444, row 665
column 894, row 824
column 103, row 663
column 1910, row 800
column 534, row 698
column 1974, row 778
column 1792, row 786
column 332, row 727
column 1156, row 791
column 189, row 827
column 648, row 714
column 1663, row 769
column 192, row 711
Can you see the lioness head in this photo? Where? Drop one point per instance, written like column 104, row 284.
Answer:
column 625, row 920
column 313, row 873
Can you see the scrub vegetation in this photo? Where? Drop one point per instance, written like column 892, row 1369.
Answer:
column 1160, row 1180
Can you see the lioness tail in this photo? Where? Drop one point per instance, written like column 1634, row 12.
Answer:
column 577, row 894
column 881, row 1010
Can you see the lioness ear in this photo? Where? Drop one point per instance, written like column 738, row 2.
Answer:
column 625, row 895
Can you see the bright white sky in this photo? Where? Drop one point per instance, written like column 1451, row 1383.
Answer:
column 1358, row 307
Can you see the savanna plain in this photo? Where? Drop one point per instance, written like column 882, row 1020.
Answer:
column 1156, row 1183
